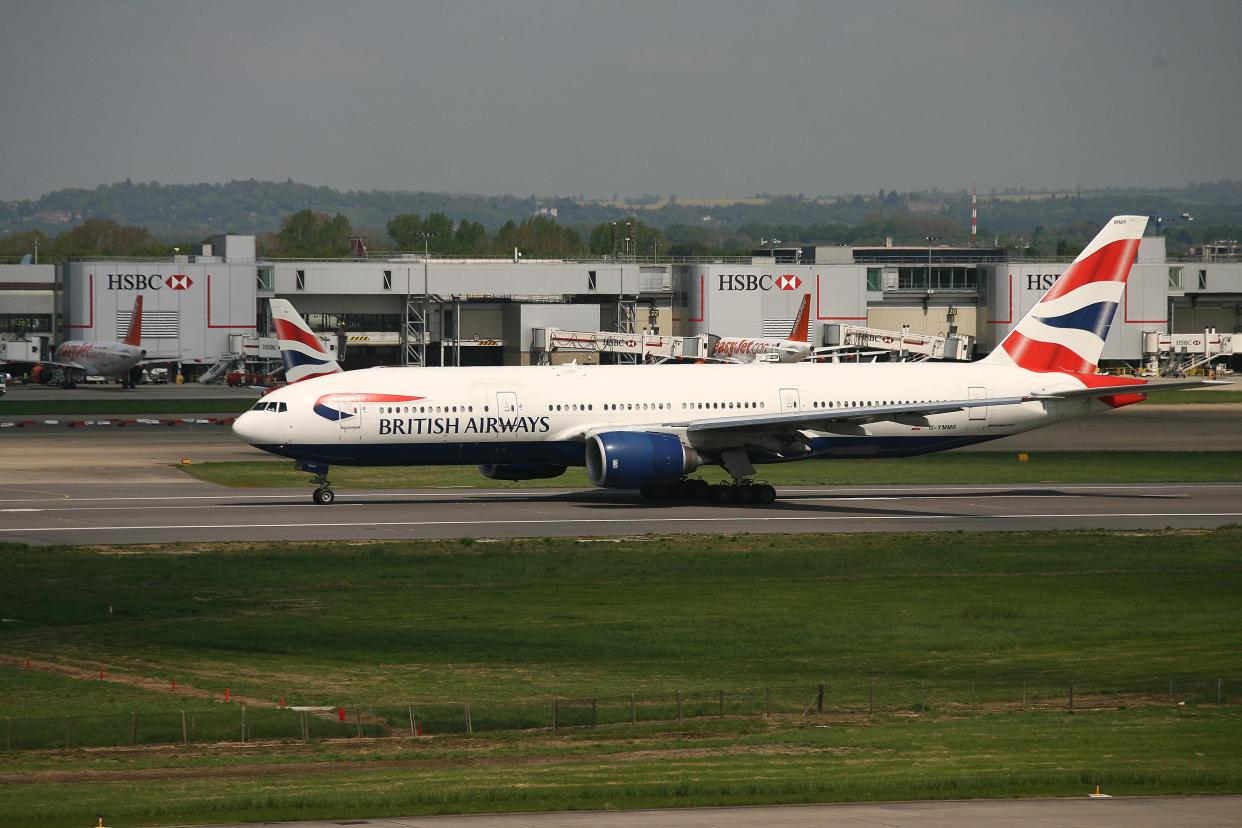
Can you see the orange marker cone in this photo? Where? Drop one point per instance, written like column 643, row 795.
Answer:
column 101, row 672
column 226, row 695
column 174, row 685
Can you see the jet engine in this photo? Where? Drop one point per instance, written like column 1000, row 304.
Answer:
column 521, row 471
column 634, row 459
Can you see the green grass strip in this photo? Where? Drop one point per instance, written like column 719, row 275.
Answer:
column 963, row 467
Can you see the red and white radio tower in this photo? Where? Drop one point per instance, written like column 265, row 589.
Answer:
column 974, row 214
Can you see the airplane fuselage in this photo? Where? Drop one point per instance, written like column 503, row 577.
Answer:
column 102, row 358
column 760, row 349
column 420, row 416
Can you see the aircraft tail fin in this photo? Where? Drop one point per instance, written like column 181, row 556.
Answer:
column 801, row 331
column 1066, row 329
column 134, row 335
column 302, row 352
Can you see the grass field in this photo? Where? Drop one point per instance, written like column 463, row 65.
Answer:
column 439, row 621
column 968, row 467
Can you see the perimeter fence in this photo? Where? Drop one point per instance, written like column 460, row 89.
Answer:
column 822, row 702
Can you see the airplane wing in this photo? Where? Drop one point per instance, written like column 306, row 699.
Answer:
column 856, row 415
column 1110, row 390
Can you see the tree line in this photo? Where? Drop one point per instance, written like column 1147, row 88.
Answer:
column 308, row 233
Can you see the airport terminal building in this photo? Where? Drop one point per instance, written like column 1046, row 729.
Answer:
column 206, row 308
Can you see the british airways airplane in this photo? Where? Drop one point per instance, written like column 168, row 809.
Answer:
column 649, row 427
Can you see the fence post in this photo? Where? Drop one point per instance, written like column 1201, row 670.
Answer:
column 410, row 707
column 871, row 697
column 133, row 728
column 358, row 721
column 243, row 717
column 721, row 715
column 305, row 726
column 923, row 696
column 556, row 709
column 469, row 723
column 678, row 705
column 819, row 699
column 633, row 710
column 185, row 734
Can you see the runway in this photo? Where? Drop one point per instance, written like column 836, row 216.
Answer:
column 152, row 513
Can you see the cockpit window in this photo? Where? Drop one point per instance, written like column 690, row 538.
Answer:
column 282, row 407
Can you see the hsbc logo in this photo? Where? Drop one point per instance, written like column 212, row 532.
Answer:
column 152, row 281
column 753, row 281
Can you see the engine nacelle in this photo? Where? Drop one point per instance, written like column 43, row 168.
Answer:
column 521, row 471
column 634, row 459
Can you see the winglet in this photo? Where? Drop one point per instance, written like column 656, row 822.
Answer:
column 134, row 336
column 801, row 331
column 304, row 355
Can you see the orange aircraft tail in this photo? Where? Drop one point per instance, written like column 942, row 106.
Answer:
column 801, row 331
column 134, row 337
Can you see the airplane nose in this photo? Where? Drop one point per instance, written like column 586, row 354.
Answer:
column 245, row 427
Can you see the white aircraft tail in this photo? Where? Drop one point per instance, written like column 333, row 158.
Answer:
column 303, row 353
column 1066, row 329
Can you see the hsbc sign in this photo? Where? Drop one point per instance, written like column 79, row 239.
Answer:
column 753, row 281
column 152, row 281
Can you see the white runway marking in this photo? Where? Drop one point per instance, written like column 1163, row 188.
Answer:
column 641, row 520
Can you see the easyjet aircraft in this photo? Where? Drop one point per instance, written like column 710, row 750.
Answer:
column 76, row 358
column 795, row 348
column 649, row 427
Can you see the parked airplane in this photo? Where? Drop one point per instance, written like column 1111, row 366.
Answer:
column 795, row 348
column 648, row 428
column 75, row 359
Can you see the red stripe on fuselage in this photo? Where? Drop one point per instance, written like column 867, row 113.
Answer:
column 288, row 330
column 1111, row 263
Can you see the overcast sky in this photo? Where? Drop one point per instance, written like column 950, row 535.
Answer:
column 705, row 99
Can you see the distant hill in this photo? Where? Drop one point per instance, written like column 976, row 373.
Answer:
column 185, row 212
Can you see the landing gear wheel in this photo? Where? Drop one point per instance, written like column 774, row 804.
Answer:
column 764, row 494
column 720, row 494
column 323, row 496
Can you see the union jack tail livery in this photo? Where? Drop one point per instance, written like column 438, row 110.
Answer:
column 302, row 352
column 1065, row 331
column 801, row 331
column 134, row 335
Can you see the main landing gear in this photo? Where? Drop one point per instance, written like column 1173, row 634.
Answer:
column 323, row 494
column 741, row 491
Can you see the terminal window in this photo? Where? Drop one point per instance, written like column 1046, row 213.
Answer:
column 875, row 279
column 1175, row 278
column 1202, row 280
column 387, row 280
column 301, row 280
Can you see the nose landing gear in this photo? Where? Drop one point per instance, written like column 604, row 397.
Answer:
column 323, row 494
